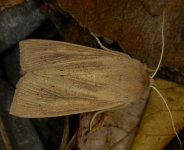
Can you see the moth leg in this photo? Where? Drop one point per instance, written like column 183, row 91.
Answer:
column 99, row 42
column 101, row 122
column 93, row 118
column 99, row 112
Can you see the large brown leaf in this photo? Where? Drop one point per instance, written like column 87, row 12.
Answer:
column 135, row 25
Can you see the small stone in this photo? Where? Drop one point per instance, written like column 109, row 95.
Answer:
column 11, row 59
column 18, row 22
column 12, row 65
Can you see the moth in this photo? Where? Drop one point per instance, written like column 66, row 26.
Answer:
column 62, row 79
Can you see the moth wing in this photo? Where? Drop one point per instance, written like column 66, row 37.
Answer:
column 51, row 92
column 36, row 97
column 65, row 79
column 39, row 54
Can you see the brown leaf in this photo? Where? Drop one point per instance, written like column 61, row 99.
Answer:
column 10, row 3
column 135, row 25
column 156, row 127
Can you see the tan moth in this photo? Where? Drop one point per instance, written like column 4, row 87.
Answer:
column 62, row 79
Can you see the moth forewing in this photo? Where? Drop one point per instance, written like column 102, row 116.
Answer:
column 75, row 79
column 39, row 54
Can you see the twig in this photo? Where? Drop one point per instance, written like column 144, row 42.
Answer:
column 65, row 133
column 4, row 135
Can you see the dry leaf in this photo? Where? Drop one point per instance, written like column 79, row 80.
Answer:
column 156, row 129
column 135, row 25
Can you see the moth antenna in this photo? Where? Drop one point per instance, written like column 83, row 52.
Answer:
column 99, row 42
column 171, row 116
column 156, row 70
column 163, row 45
